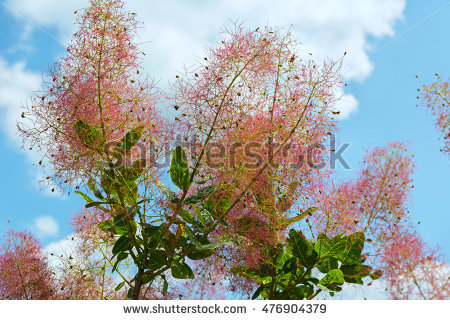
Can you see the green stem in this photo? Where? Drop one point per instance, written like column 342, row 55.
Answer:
column 314, row 294
column 111, row 264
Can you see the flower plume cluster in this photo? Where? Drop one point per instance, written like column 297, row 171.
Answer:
column 436, row 98
column 98, row 82
column 257, row 107
column 377, row 204
column 24, row 271
column 413, row 270
column 258, row 114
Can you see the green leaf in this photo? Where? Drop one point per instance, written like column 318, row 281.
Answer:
column 120, row 223
column 124, row 226
column 302, row 292
column 120, row 286
column 130, row 293
column 351, row 248
column 231, row 240
column 224, row 203
column 91, row 203
column 290, row 266
column 180, row 270
column 326, row 247
column 130, row 192
column 179, row 169
column 186, row 216
column 199, row 254
column 193, row 238
column 87, row 133
column 107, row 182
column 327, row 264
column 376, row 275
column 165, row 286
column 201, row 181
column 85, row 196
column 281, row 259
column 203, row 248
column 205, row 218
column 169, row 242
column 98, row 204
column 312, row 281
column 134, row 171
column 127, row 189
column 217, row 206
column 122, row 244
column 200, row 195
column 121, row 256
column 171, row 196
column 151, row 230
column 332, row 279
column 107, row 226
column 129, row 140
column 302, row 248
column 354, row 273
column 210, row 246
column 258, row 291
column 91, row 184
column 133, row 225
column 156, row 260
column 146, row 278
column 202, row 244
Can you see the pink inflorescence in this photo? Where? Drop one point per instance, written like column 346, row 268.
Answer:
column 98, row 82
column 414, row 270
column 24, row 271
column 261, row 112
column 436, row 98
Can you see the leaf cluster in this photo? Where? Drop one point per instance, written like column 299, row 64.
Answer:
column 303, row 268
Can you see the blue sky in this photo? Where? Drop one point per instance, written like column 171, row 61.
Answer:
column 388, row 43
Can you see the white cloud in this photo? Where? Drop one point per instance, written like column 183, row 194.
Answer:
column 46, row 226
column 347, row 105
column 178, row 30
column 23, row 42
column 59, row 251
column 47, row 15
column 60, row 247
column 175, row 32
column 17, row 84
column 376, row 291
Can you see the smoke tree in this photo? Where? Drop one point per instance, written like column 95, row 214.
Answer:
column 247, row 206
column 376, row 203
column 24, row 271
column 436, row 98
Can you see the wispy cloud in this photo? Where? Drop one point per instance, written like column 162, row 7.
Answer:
column 17, row 84
column 175, row 32
column 46, row 226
